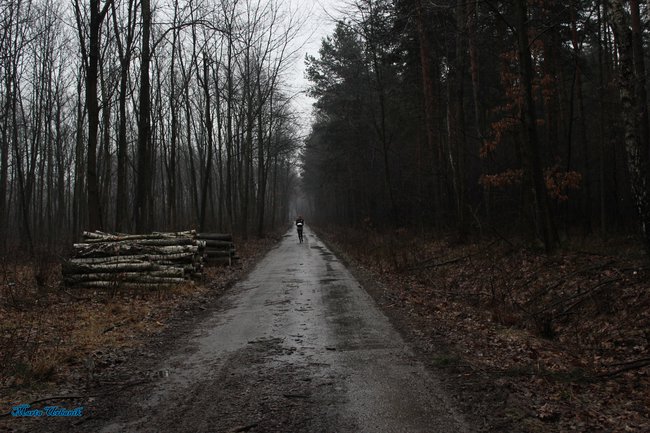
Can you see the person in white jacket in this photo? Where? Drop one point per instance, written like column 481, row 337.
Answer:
column 300, row 222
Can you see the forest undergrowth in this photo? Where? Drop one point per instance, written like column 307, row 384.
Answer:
column 54, row 338
column 566, row 335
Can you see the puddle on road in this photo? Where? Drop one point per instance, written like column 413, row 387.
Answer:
column 293, row 281
column 348, row 322
column 270, row 302
column 336, row 291
column 327, row 255
column 328, row 280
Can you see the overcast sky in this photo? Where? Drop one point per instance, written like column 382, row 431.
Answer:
column 318, row 16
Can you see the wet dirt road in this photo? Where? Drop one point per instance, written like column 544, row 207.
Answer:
column 298, row 346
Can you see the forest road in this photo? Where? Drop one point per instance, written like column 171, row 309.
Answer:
column 298, row 347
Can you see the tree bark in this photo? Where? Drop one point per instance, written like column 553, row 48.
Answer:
column 429, row 110
column 456, row 121
column 530, row 148
column 472, row 24
column 143, row 183
column 125, row 51
column 210, row 144
column 92, row 54
column 632, row 113
column 586, row 176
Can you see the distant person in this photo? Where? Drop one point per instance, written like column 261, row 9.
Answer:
column 300, row 222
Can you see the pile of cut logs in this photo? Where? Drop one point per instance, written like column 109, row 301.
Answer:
column 219, row 248
column 156, row 260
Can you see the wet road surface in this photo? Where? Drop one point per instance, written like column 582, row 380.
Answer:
column 298, row 347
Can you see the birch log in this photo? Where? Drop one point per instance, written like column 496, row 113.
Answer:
column 144, row 261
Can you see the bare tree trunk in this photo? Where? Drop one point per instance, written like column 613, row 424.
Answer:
column 530, row 148
column 274, row 206
column 245, row 186
column 173, row 140
column 23, row 189
column 79, row 203
column 4, row 159
column 125, row 51
column 50, row 131
column 429, row 111
column 456, row 122
column 640, row 75
column 209, row 132
column 220, row 178
column 91, row 57
column 61, row 221
column 121, row 193
column 105, row 184
column 190, row 152
column 229, row 131
column 143, row 182
column 159, row 135
column 378, row 69
column 601, row 120
column 632, row 112
column 586, row 200
column 192, row 206
column 261, row 162
column 472, row 23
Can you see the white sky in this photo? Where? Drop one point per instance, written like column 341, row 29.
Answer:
column 318, row 16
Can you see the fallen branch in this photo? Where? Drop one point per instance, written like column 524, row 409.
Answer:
column 422, row 265
column 564, row 278
column 126, row 276
column 129, row 285
column 435, row 265
column 579, row 295
column 626, row 366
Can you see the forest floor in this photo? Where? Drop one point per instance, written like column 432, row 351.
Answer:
column 538, row 343
column 523, row 342
column 54, row 339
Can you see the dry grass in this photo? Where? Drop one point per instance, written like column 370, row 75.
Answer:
column 52, row 337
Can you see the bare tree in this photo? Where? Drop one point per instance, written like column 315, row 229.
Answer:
column 143, row 199
column 531, row 156
column 634, row 112
column 125, row 52
column 91, row 55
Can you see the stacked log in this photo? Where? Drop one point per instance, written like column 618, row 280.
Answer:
column 219, row 248
column 156, row 260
